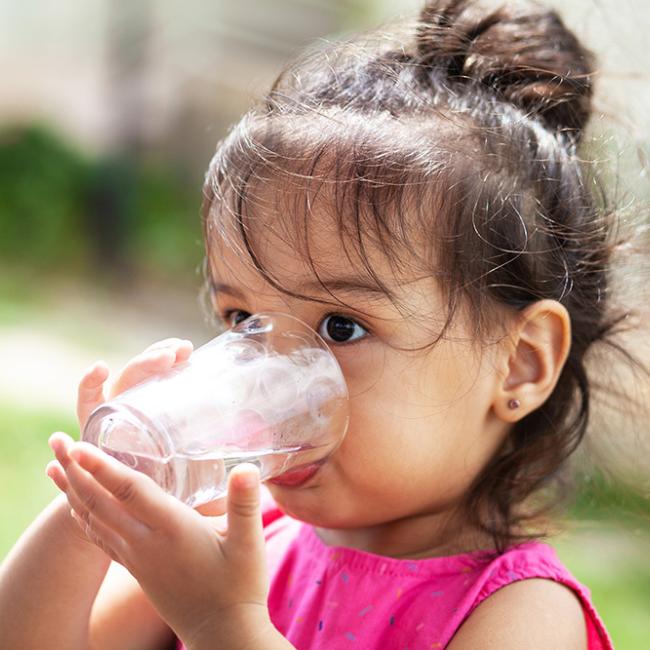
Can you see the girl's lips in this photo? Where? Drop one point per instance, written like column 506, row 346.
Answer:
column 296, row 477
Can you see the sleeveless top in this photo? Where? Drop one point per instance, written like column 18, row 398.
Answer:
column 333, row 598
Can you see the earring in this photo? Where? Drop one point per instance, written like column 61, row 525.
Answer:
column 514, row 404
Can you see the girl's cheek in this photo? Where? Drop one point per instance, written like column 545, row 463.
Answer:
column 362, row 365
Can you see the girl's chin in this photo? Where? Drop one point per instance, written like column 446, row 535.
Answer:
column 304, row 504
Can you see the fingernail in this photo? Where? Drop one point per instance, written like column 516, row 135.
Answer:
column 248, row 479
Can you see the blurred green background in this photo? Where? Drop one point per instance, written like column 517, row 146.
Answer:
column 109, row 115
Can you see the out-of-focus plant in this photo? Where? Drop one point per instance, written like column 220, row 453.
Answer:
column 166, row 237
column 66, row 212
column 42, row 182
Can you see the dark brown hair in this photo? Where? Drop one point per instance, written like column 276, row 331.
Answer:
column 453, row 150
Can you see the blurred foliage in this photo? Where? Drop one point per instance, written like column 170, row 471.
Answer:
column 601, row 498
column 167, row 235
column 41, row 197
column 611, row 560
column 24, row 487
column 66, row 212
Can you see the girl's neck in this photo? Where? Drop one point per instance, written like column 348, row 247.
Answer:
column 418, row 537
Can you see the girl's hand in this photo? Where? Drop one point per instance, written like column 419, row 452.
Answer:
column 156, row 359
column 207, row 581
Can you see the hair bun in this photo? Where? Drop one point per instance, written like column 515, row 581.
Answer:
column 525, row 54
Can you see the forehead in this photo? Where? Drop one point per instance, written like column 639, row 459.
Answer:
column 295, row 244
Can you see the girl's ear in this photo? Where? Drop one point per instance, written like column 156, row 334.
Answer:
column 539, row 346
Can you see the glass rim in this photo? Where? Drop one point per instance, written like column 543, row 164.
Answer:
column 273, row 313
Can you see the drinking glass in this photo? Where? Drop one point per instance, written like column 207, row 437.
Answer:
column 268, row 391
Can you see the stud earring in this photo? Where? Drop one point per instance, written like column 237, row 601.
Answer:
column 514, row 404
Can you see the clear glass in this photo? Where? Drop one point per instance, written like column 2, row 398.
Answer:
column 268, row 391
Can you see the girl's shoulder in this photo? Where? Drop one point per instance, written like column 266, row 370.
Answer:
column 411, row 599
column 541, row 591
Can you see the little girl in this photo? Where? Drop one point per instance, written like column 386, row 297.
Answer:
column 420, row 201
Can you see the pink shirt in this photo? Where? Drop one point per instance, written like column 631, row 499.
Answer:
column 334, row 598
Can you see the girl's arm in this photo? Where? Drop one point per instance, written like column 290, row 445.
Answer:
column 48, row 583
column 123, row 618
column 55, row 592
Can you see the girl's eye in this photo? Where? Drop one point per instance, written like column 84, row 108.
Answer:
column 340, row 329
column 228, row 314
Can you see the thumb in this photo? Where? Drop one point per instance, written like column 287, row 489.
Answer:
column 243, row 505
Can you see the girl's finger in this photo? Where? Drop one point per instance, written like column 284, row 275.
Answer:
column 184, row 351
column 60, row 443
column 220, row 526
column 97, row 501
column 101, row 535
column 172, row 343
column 143, row 367
column 135, row 491
column 76, row 503
column 56, row 473
column 91, row 391
column 244, row 509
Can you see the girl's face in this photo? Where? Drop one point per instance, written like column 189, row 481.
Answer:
column 421, row 423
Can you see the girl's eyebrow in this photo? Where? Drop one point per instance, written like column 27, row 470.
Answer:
column 345, row 285
column 219, row 287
